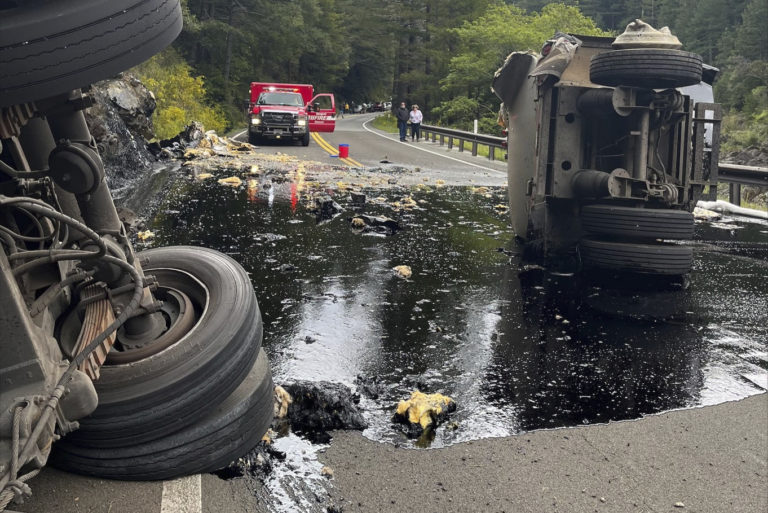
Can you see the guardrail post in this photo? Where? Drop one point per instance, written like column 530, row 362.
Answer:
column 474, row 148
column 461, row 144
column 491, row 153
column 450, row 142
column 442, row 139
column 734, row 193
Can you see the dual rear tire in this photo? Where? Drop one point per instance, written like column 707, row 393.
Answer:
column 189, row 407
column 629, row 239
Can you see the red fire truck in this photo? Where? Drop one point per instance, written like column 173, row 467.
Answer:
column 288, row 111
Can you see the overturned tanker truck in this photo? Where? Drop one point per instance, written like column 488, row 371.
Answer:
column 129, row 365
column 611, row 144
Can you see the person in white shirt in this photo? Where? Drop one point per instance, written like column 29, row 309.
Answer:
column 415, row 118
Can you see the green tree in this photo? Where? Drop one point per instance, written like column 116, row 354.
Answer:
column 483, row 45
column 181, row 97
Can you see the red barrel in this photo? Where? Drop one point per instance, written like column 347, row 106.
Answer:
column 343, row 151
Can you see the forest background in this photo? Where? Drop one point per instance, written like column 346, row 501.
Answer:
column 440, row 54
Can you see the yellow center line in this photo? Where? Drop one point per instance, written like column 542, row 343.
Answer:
column 324, row 144
column 333, row 151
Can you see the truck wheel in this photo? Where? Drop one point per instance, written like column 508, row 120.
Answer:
column 254, row 138
column 653, row 68
column 667, row 259
column 640, row 223
column 305, row 140
column 49, row 48
column 165, row 390
column 229, row 431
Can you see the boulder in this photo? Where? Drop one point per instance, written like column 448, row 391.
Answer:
column 120, row 122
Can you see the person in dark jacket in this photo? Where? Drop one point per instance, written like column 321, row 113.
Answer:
column 402, row 116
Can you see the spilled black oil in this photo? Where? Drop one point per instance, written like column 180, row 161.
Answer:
column 517, row 347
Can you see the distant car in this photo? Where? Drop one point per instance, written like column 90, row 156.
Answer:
column 376, row 107
column 357, row 109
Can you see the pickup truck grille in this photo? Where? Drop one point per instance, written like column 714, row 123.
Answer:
column 282, row 118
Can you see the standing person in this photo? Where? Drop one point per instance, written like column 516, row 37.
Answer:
column 402, row 120
column 415, row 118
column 346, row 108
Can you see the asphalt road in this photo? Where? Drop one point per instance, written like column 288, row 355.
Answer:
column 709, row 460
column 370, row 147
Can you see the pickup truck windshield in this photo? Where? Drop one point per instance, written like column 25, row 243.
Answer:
column 293, row 99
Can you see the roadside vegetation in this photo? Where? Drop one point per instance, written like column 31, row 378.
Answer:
column 181, row 97
column 440, row 54
column 386, row 122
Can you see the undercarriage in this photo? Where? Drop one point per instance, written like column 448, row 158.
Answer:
column 114, row 363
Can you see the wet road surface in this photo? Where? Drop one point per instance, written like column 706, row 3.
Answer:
column 517, row 347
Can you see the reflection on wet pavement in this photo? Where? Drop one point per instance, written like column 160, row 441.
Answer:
column 516, row 347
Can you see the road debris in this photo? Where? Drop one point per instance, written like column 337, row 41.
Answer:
column 319, row 407
column 282, row 401
column 326, row 209
column 703, row 214
column 375, row 224
column 145, row 235
column 403, row 271
column 423, row 412
column 234, row 181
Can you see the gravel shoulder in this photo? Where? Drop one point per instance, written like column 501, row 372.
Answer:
column 711, row 459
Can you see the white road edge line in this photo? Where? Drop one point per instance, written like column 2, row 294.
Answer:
column 433, row 152
column 183, row 495
column 239, row 134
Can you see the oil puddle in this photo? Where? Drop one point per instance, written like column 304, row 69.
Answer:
column 516, row 347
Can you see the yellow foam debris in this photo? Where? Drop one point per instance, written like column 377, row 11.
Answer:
column 192, row 153
column 146, row 234
column 440, row 182
column 254, row 170
column 268, row 436
column 403, row 271
column 253, row 183
column 423, row 409
column 282, row 401
column 327, row 472
column 235, row 146
column 501, row 206
column 234, row 181
column 204, row 143
column 480, row 190
column 408, row 202
column 358, row 222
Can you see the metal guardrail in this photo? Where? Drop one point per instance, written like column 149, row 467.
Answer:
column 447, row 135
column 736, row 176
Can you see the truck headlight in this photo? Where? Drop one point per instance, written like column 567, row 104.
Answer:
column 256, row 121
column 302, row 121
